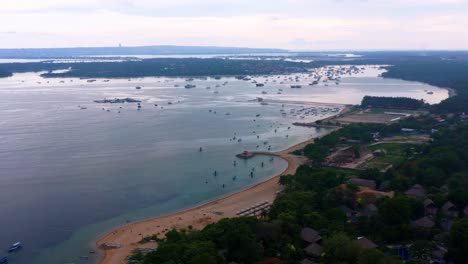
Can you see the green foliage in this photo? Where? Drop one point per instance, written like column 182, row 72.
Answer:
column 374, row 256
column 392, row 102
column 395, row 211
column 158, row 67
column 442, row 73
column 356, row 132
column 339, row 248
column 421, row 249
column 5, row 73
column 459, row 241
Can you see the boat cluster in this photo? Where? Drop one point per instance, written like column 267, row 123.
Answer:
column 117, row 101
column 314, row 77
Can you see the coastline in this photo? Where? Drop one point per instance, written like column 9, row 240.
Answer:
column 451, row 92
column 119, row 243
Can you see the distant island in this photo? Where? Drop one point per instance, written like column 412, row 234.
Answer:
column 158, row 67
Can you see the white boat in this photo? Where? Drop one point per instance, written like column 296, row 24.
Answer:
column 16, row 246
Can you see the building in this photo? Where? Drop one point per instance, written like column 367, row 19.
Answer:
column 314, row 249
column 429, row 207
column 310, row 235
column 423, row 222
column 449, row 209
column 365, row 243
column 363, row 183
column 417, row 191
column 369, row 210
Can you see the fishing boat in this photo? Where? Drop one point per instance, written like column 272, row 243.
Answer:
column 138, row 87
column 296, row 86
column 190, row 86
column 260, row 84
column 16, row 246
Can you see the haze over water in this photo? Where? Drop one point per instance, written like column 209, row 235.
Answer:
column 68, row 174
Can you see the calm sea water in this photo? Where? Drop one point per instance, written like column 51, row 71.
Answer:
column 68, row 174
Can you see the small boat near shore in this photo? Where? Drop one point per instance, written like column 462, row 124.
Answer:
column 15, row 247
column 190, row 86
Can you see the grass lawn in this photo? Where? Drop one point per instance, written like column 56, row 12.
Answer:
column 395, row 154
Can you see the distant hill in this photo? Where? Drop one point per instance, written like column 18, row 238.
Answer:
column 126, row 51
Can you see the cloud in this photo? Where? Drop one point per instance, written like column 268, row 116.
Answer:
column 293, row 24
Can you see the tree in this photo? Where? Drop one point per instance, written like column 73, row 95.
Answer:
column 370, row 256
column 459, row 241
column 203, row 259
column 421, row 249
column 395, row 211
column 339, row 248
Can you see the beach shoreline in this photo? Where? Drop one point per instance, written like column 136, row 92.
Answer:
column 118, row 244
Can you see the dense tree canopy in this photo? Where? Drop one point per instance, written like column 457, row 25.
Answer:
column 392, row 102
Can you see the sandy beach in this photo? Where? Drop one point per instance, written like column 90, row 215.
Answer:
column 118, row 244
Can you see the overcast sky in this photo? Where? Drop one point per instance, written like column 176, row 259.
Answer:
column 289, row 24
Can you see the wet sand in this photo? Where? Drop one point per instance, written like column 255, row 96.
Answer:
column 119, row 244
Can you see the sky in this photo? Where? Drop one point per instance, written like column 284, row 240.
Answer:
column 287, row 24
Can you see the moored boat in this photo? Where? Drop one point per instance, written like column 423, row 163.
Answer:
column 16, row 246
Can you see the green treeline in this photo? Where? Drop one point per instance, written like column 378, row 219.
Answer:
column 158, row 67
column 393, row 102
column 443, row 73
column 4, row 73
